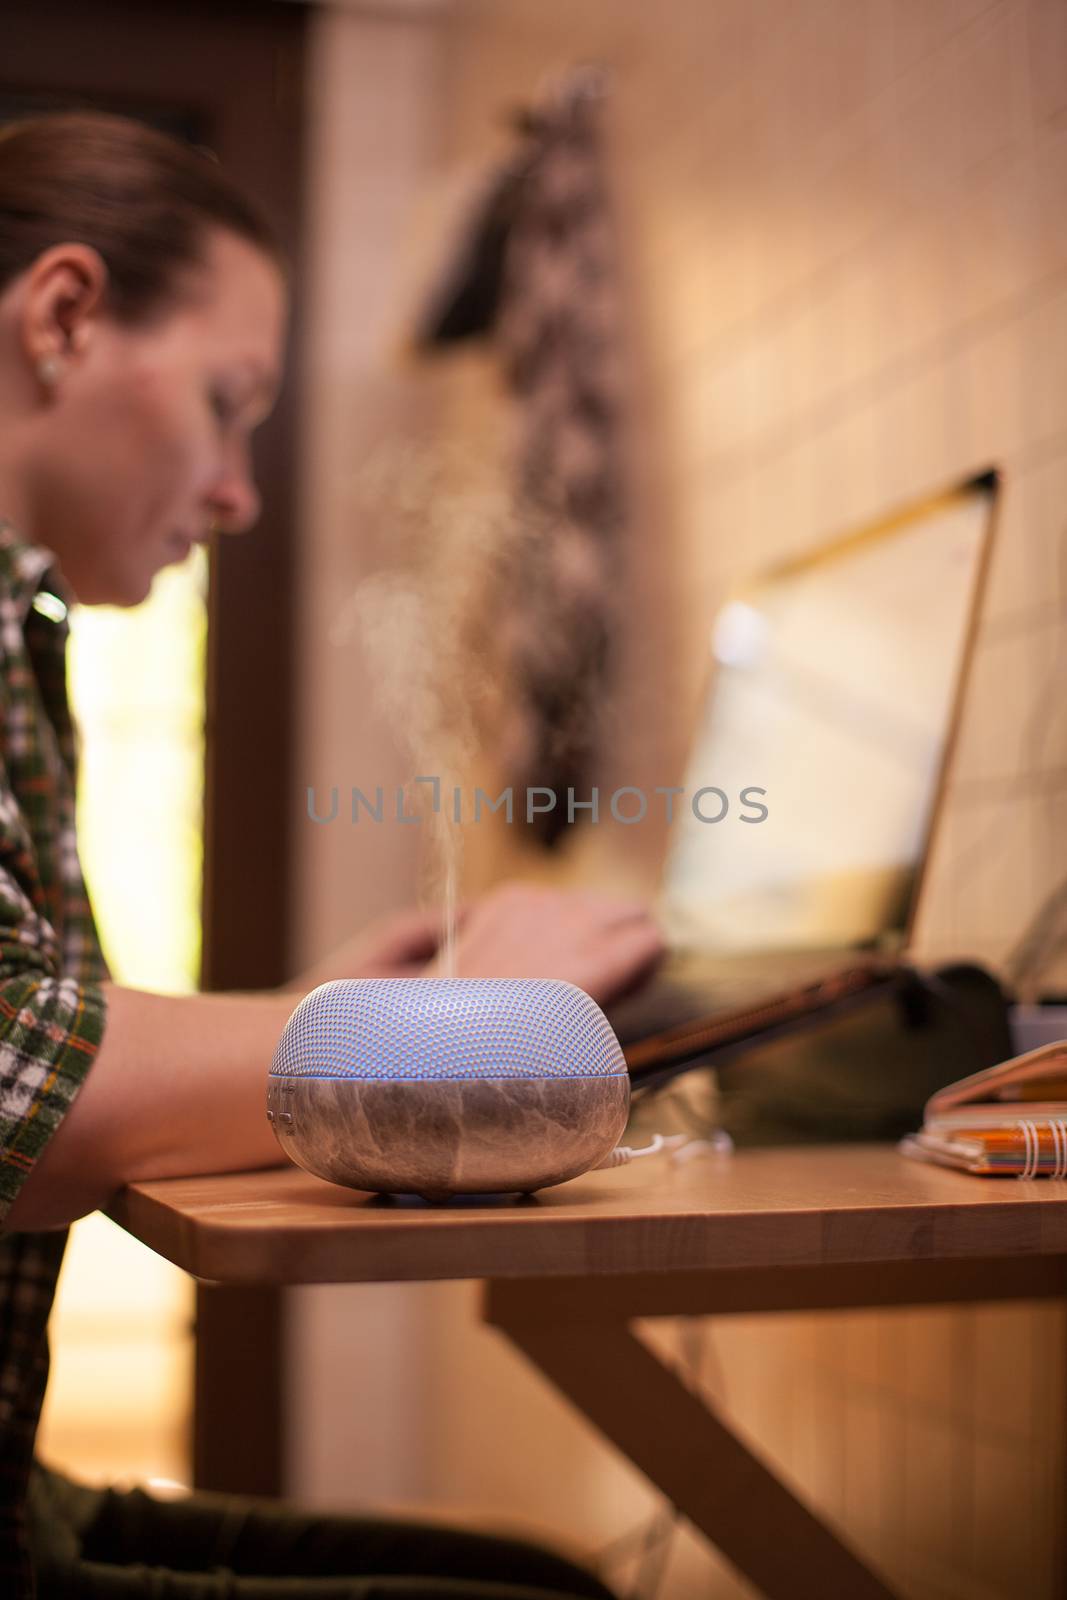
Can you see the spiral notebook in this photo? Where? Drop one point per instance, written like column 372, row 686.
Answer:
column 1009, row 1121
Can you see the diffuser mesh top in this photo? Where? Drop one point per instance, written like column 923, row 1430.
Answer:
column 433, row 1028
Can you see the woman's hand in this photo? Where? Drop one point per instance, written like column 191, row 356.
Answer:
column 605, row 945
column 395, row 946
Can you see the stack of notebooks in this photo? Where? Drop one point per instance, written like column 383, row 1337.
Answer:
column 1009, row 1121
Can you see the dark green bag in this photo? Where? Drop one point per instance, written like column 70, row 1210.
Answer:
column 866, row 1072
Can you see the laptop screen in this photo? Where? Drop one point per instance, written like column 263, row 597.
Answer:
column 836, row 681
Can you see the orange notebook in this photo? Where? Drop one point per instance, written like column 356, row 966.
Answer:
column 1009, row 1121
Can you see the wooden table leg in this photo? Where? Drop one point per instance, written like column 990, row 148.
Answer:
column 688, row 1452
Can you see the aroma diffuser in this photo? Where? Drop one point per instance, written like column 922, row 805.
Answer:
column 443, row 1086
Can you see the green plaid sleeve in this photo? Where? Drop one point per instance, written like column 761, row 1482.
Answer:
column 51, row 1022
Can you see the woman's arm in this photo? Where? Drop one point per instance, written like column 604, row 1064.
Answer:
column 178, row 1087
column 179, row 1082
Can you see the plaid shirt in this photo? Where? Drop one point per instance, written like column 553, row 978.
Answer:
column 52, row 1009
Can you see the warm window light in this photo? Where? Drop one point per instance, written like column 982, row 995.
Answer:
column 137, row 686
column 120, row 1393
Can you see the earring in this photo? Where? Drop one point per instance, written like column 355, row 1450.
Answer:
column 48, row 370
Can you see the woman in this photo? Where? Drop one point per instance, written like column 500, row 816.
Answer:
column 142, row 319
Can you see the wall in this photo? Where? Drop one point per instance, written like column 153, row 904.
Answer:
column 848, row 247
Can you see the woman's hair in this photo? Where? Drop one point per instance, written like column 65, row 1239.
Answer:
column 143, row 200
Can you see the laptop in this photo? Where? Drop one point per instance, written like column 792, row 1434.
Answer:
column 837, row 680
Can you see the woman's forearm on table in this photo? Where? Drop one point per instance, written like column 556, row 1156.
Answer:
column 178, row 1087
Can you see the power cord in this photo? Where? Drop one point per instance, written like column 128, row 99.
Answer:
column 681, row 1146
column 655, row 1540
column 650, row 1546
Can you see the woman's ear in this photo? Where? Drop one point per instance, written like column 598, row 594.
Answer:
column 63, row 297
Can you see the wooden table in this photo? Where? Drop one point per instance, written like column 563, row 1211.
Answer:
column 566, row 1271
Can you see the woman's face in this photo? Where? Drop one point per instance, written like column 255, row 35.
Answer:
column 146, row 439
